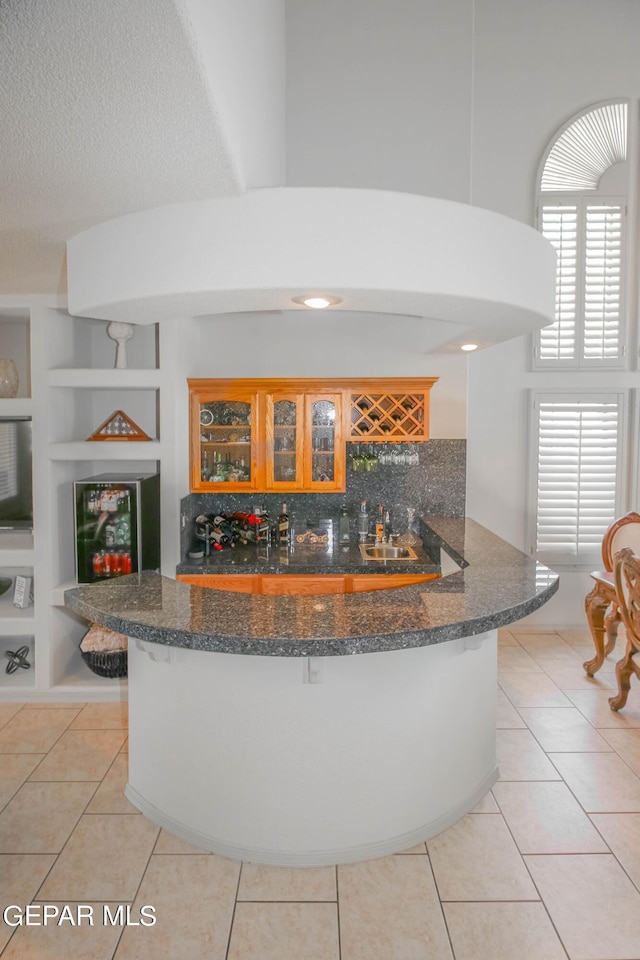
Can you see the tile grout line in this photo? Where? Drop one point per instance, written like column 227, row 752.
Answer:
column 37, row 752
column 441, row 901
column 20, row 785
column 233, row 913
column 613, row 854
column 541, row 899
column 142, row 876
column 535, row 886
column 34, row 897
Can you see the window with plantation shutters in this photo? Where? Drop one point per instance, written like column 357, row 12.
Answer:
column 588, row 237
column 577, row 469
column 588, row 230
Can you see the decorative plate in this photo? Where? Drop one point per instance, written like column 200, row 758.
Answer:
column 206, row 417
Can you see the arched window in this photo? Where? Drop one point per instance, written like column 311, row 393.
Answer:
column 582, row 208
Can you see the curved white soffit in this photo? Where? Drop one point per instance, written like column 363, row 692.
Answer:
column 379, row 251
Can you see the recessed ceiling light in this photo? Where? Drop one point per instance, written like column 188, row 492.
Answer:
column 317, row 303
column 469, row 346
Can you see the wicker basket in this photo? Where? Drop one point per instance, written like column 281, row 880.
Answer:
column 110, row 663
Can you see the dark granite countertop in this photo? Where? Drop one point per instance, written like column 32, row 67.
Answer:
column 498, row 585
column 329, row 558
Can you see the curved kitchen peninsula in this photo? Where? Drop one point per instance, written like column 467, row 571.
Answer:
column 259, row 730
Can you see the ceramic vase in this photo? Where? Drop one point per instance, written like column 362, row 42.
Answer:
column 8, row 377
column 120, row 332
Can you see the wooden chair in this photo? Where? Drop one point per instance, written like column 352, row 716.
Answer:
column 627, row 583
column 601, row 605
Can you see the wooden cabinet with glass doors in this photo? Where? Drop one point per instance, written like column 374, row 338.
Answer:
column 284, row 435
column 224, row 437
column 291, row 435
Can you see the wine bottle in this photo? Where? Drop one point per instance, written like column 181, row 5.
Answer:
column 283, row 525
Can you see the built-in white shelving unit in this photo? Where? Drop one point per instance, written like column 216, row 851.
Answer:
column 91, row 379
column 16, row 407
column 69, row 387
column 100, row 450
column 16, row 549
column 17, row 554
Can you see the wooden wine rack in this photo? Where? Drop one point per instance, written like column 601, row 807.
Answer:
column 397, row 417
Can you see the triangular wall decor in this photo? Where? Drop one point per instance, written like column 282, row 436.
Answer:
column 119, row 427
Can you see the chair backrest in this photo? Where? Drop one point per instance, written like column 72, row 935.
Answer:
column 627, row 581
column 624, row 532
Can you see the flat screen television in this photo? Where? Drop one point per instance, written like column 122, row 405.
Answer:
column 16, row 487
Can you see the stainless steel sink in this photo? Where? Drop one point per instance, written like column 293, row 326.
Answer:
column 385, row 551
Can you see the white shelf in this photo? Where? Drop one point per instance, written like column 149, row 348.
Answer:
column 16, row 406
column 14, row 682
column 79, row 678
column 96, row 379
column 100, row 689
column 11, row 616
column 57, row 593
column 18, row 626
column 16, row 549
column 106, row 450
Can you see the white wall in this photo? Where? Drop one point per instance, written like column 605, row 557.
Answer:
column 378, row 95
column 241, row 44
column 335, row 345
column 536, row 66
column 397, row 96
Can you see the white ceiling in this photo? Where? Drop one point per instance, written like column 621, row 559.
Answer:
column 104, row 110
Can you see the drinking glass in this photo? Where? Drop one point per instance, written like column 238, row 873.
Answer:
column 357, row 460
column 370, row 461
column 410, row 539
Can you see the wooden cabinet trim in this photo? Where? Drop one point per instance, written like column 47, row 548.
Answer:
column 232, row 582
column 299, row 584
column 364, row 582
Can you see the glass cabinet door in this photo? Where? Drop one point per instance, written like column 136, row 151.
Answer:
column 257, row 435
column 285, row 442
column 227, row 435
column 325, row 438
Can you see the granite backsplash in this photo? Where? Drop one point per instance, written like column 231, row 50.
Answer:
column 435, row 485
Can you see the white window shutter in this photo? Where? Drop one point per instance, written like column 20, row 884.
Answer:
column 588, row 237
column 559, row 224
column 603, row 281
column 586, row 148
column 577, row 468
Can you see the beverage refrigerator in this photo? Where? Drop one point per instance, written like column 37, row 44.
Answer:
column 117, row 525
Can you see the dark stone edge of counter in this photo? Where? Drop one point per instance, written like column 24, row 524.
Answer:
column 431, row 538
column 327, row 647
column 310, row 568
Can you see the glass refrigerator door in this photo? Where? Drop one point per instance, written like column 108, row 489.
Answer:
column 106, row 530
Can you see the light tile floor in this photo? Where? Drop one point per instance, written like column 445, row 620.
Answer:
column 546, row 867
